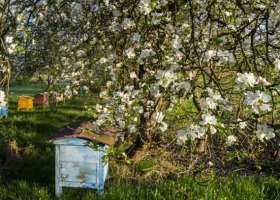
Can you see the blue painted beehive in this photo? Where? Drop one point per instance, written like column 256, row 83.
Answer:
column 81, row 90
column 76, row 164
column 4, row 111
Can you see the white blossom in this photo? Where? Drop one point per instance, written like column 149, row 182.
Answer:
column 208, row 119
column 245, row 80
column 9, row 39
column 132, row 75
column 131, row 128
column 230, row 140
column 184, row 85
column 277, row 65
column 264, row 132
column 155, row 90
column 157, row 117
column 112, row 57
column 128, row 23
column 213, row 130
column 129, row 53
column 144, row 6
column 103, row 60
column 257, row 101
column 156, row 17
column 242, row 124
column 176, row 43
column 146, row 53
column 121, row 108
column 192, row 132
column 163, row 126
column 138, row 109
column 2, row 99
column 181, row 137
column 136, row 37
column 209, row 54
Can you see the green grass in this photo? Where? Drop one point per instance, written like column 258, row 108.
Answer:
column 27, row 170
column 230, row 188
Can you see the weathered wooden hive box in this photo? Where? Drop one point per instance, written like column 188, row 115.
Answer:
column 60, row 94
column 81, row 90
column 103, row 88
column 25, row 102
column 4, row 111
column 76, row 164
column 41, row 99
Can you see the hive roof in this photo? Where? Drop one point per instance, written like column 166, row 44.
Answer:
column 87, row 130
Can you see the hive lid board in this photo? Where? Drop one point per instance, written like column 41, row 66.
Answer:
column 28, row 97
column 40, row 94
column 87, row 130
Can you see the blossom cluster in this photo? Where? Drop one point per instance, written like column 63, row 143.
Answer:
column 215, row 101
column 150, row 56
column 264, row 132
column 191, row 132
column 224, row 57
column 248, row 80
column 257, row 101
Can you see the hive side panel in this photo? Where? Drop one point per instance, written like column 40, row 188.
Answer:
column 78, row 172
column 69, row 153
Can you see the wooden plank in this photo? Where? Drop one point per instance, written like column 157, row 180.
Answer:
column 78, row 185
column 76, row 141
column 106, row 170
column 58, row 188
column 71, row 141
column 78, row 172
column 78, row 154
column 100, row 174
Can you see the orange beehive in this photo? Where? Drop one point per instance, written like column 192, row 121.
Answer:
column 41, row 99
column 25, row 102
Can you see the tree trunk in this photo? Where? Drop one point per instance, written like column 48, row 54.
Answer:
column 201, row 144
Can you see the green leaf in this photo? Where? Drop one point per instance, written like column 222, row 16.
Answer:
column 258, row 167
column 226, row 114
column 153, row 4
column 149, row 23
column 20, row 49
column 105, row 159
column 256, row 116
column 218, row 41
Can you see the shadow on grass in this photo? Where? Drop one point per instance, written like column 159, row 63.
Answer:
column 25, row 155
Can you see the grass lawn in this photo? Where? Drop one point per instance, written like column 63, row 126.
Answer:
column 27, row 162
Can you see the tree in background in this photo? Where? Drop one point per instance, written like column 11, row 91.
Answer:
column 222, row 57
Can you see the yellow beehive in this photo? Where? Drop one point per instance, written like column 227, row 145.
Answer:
column 103, row 88
column 25, row 102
